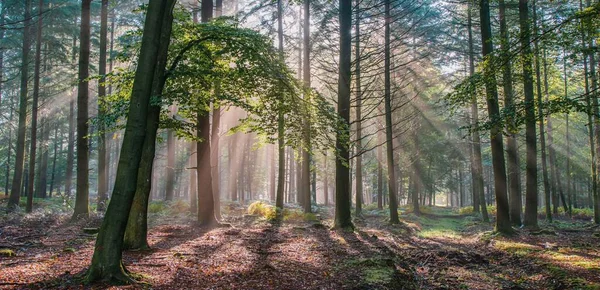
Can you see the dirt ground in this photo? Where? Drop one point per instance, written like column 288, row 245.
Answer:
column 435, row 251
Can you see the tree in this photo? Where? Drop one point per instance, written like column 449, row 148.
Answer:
column 511, row 138
column 15, row 192
column 34, row 106
column 83, row 183
column 343, row 218
column 393, row 190
column 476, row 162
column 498, row 163
column 106, row 261
column 531, row 201
column 103, row 160
column 306, row 157
column 359, row 169
column 280, row 118
column 206, row 202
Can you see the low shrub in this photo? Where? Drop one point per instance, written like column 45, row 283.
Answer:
column 263, row 209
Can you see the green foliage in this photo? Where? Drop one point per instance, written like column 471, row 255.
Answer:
column 7, row 253
column 156, row 206
column 491, row 209
column 263, row 209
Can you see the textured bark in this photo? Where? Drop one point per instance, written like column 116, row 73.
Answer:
column 531, row 191
column 102, row 152
column 136, row 232
column 476, row 163
column 416, row 174
column 392, row 189
column 83, row 146
column 57, row 143
column 280, row 119
column 170, row 182
column 306, row 156
column 359, row 173
column 379, row 171
column 343, row 218
column 541, row 119
column 512, row 155
column 34, row 106
column 106, row 261
column 15, row 193
column 206, row 202
column 596, row 119
column 497, row 146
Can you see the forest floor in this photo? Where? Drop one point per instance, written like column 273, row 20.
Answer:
column 438, row 250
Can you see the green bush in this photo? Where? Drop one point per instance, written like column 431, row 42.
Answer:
column 178, row 206
column 491, row 209
column 263, row 209
column 156, row 206
column 370, row 207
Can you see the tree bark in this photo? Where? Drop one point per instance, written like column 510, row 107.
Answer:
column 206, row 202
column 497, row 146
column 531, row 193
column 306, row 156
column 83, row 183
column 280, row 118
column 388, row 120
column 541, row 119
column 343, row 218
column 106, row 261
column 511, row 139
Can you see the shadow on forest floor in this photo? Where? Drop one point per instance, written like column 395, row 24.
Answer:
column 433, row 251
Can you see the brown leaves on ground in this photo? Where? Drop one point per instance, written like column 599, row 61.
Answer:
column 255, row 254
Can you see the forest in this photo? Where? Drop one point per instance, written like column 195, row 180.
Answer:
column 297, row 144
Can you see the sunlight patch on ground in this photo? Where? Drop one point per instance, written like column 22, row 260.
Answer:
column 516, row 248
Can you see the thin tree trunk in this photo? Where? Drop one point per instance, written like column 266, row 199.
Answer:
column 379, row 170
column 497, row 146
column 541, row 119
column 102, row 152
column 306, row 156
column 15, row 192
column 83, row 183
column 343, row 217
column 359, row 178
column 388, row 120
column 54, row 157
column 280, row 118
column 477, row 166
column 34, row 107
column 511, row 139
column 531, row 188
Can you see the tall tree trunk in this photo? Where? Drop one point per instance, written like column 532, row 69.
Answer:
column 596, row 113
column 567, row 137
column 136, row 232
column 359, row 178
column 477, row 166
column 498, row 162
column 531, row 193
column 15, row 192
column 280, row 118
column 43, row 164
column 34, row 106
column 271, row 172
column 416, row 174
column 541, row 118
column 343, row 217
column 106, row 261
column 511, row 138
column 193, row 179
column 170, row 182
column 306, row 157
column 379, row 170
column 206, row 202
column 54, row 157
column 388, row 120
column 83, row 183
column 102, row 153
column 10, row 146
column 326, row 180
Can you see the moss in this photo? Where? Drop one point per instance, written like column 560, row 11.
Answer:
column 156, row 206
column 69, row 250
column 7, row 253
column 378, row 271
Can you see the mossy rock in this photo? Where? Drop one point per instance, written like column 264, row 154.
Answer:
column 69, row 250
column 7, row 253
